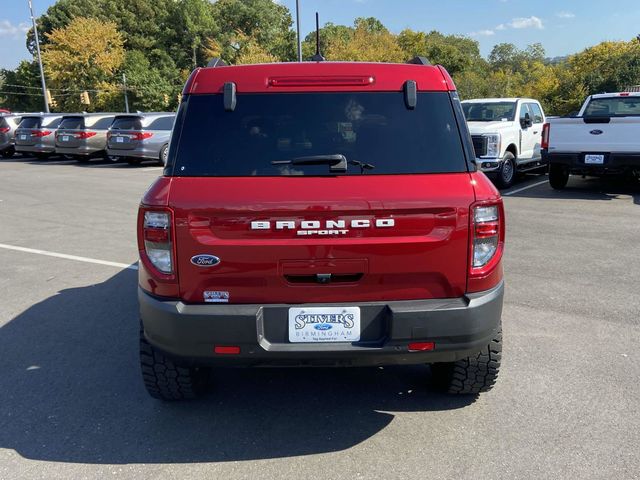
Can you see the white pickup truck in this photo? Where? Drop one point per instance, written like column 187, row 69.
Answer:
column 507, row 135
column 604, row 138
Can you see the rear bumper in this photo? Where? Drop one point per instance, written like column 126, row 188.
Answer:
column 81, row 150
column 39, row 148
column 458, row 326
column 613, row 162
column 135, row 153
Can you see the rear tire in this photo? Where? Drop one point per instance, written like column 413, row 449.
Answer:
column 9, row 152
column 164, row 154
column 507, row 172
column 474, row 374
column 165, row 380
column 558, row 176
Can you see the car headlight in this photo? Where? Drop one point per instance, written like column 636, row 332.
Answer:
column 493, row 145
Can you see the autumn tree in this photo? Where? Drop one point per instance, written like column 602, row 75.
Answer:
column 82, row 56
column 369, row 41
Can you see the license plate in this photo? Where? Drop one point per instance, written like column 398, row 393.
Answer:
column 23, row 137
column 65, row 138
column 324, row 324
column 594, row 159
column 119, row 139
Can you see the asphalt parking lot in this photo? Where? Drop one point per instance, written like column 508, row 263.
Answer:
column 72, row 404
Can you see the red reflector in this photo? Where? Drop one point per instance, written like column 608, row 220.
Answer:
column 324, row 81
column 226, row 350
column 422, row 346
column 157, row 235
column 488, row 229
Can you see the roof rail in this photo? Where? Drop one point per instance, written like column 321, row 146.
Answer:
column 216, row 62
column 419, row 61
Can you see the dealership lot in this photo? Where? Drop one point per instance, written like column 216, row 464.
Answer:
column 72, row 404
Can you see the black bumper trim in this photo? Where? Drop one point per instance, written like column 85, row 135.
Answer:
column 459, row 327
column 613, row 162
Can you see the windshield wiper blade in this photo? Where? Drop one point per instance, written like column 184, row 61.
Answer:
column 363, row 166
column 337, row 162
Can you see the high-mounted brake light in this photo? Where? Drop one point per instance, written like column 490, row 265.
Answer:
column 546, row 129
column 158, row 245
column 40, row 133
column 323, row 81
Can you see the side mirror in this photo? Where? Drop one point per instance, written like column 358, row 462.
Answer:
column 526, row 122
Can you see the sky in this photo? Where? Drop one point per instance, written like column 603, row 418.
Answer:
column 562, row 26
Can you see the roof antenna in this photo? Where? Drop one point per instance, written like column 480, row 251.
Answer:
column 318, row 56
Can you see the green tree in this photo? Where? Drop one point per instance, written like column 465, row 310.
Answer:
column 84, row 55
column 22, row 87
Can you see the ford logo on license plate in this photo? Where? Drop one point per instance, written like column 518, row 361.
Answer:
column 205, row 260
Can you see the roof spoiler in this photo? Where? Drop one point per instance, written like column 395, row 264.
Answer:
column 419, row 61
column 216, row 62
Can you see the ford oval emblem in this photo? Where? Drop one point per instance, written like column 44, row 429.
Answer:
column 596, row 132
column 205, row 260
column 323, row 326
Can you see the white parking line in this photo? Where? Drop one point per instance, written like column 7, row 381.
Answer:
column 68, row 257
column 506, row 194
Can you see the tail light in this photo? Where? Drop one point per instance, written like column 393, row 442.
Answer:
column 85, row 135
column 141, row 136
column 40, row 133
column 544, row 144
column 486, row 245
column 158, row 244
column 4, row 129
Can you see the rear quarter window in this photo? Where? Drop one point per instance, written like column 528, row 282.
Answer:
column 374, row 127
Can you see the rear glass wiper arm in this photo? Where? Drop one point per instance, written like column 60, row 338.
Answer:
column 337, row 162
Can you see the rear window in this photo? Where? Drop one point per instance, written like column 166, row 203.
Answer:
column 127, row 123
column 613, row 107
column 163, row 123
column 30, row 122
column 372, row 128
column 72, row 123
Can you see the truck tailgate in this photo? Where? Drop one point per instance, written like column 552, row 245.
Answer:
column 599, row 135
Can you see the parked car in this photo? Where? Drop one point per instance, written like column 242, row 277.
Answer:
column 140, row 137
column 320, row 214
column 506, row 134
column 8, row 125
column 35, row 134
column 83, row 136
column 603, row 139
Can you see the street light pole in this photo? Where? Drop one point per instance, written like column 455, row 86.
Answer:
column 298, row 29
column 44, row 84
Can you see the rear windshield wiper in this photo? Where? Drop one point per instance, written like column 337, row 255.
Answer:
column 337, row 162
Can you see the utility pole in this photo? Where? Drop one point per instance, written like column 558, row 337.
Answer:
column 298, row 29
column 44, row 84
column 126, row 96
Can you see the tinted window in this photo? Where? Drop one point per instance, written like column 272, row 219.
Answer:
column 30, row 122
column 163, row 123
column 615, row 106
column 127, row 123
column 537, row 113
column 373, row 128
column 3, row 123
column 72, row 123
column 489, row 112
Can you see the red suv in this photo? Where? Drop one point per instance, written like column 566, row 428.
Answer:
column 320, row 214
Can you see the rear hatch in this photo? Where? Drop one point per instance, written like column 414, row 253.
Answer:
column 29, row 131
column 260, row 188
column 71, row 132
column 125, row 133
